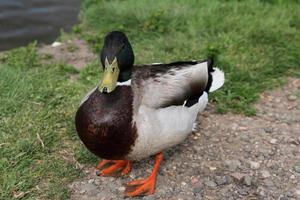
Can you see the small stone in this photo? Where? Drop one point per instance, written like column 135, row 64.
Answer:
column 237, row 176
column 292, row 176
column 198, row 188
column 194, row 180
column 91, row 181
column 297, row 169
column 221, row 180
column 262, row 193
column 245, row 138
column 56, row 44
column 265, row 174
column 292, row 98
column 211, row 168
column 243, row 191
column 254, row 165
column 183, row 183
column 234, row 126
column 122, row 189
column 297, row 192
column 268, row 129
column 243, row 128
column 97, row 182
column 198, row 196
column 247, row 180
column 269, row 183
column 247, row 149
column 273, row 141
column 232, row 165
column 82, row 191
column 210, row 184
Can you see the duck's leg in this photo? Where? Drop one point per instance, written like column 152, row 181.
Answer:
column 144, row 186
column 113, row 167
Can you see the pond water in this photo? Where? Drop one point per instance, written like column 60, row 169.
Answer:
column 23, row 21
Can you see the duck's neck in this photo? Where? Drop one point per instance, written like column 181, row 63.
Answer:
column 125, row 75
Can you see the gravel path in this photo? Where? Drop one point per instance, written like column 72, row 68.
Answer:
column 232, row 157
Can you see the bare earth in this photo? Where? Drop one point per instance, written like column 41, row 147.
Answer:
column 232, row 156
column 73, row 52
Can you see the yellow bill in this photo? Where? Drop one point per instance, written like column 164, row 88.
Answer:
column 110, row 76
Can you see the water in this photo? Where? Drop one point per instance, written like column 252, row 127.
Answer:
column 23, row 21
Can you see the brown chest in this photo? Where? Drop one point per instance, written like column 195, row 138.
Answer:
column 104, row 123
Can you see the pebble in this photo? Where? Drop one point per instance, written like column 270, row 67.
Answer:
column 247, row 149
column 122, row 188
column 269, row 183
column 245, row 138
column 273, row 141
column 297, row 168
column 265, row 174
column 243, row 191
column 292, row 98
column 210, row 184
column 243, row 128
column 247, row 180
column 221, row 180
column 268, row 129
column 56, row 44
column 91, row 181
column 198, row 188
column 198, row 196
column 262, row 193
column 194, row 180
column 232, row 165
column 292, row 176
column 254, row 165
column 82, row 191
column 237, row 175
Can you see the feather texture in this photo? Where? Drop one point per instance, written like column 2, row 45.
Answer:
column 163, row 85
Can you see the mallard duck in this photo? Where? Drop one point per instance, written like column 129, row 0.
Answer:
column 139, row 111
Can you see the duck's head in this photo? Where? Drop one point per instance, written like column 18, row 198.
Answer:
column 117, row 59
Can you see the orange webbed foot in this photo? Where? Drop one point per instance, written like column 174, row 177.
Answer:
column 140, row 187
column 113, row 168
column 144, row 186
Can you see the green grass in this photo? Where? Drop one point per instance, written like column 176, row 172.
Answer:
column 39, row 100
column 255, row 42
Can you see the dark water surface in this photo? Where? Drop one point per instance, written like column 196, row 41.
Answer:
column 23, row 21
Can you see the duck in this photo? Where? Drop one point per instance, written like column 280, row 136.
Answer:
column 138, row 111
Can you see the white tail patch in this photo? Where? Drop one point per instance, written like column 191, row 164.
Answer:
column 218, row 79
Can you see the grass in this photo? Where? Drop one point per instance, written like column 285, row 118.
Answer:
column 256, row 43
column 37, row 135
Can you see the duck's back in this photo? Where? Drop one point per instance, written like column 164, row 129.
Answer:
column 104, row 123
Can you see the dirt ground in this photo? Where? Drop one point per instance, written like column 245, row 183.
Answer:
column 74, row 52
column 231, row 157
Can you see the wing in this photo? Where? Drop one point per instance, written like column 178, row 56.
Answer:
column 163, row 85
